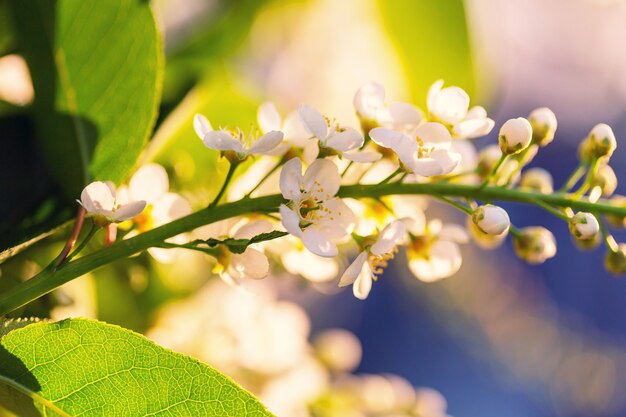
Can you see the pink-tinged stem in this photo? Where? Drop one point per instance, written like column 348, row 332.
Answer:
column 71, row 242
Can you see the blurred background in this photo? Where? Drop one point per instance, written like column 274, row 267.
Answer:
column 499, row 338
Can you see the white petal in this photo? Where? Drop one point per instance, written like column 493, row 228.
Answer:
column 313, row 121
column 386, row 137
column 310, row 266
column 445, row 260
column 369, row 99
column 268, row 117
column 250, row 264
column 97, row 196
column 363, row 284
column 252, row 229
column 221, row 141
column 290, row 220
column 403, row 116
column 433, row 134
column 450, row 105
column 169, row 207
column 201, row 125
column 318, row 243
column 291, row 179
column 454, row 233
column 389, row 238
column 425, row 167
column 432, row 93
column 345, row 141
column 149, row 183
column 363, row 157
column 339, row 220
column 473, row 128
column 295, row 133
column 128, row 211
column 352, row 272
column 266, row 143
column 311, row 151
column 322, row 179
column 446, row 160
column 476, row 112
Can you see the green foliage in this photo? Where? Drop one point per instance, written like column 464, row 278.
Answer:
column 109, row 371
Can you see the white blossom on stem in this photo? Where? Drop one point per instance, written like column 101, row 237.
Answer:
column 373, row 259
column 427, row 152
column 313, row 213
column 369, row 102
column 296, row 137
column 334, row 139
column 99, row 200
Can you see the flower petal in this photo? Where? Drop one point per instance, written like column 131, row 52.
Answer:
column 149, row 183
column 389, row 238
column 450, row 105
column 402, row 116
column 322, row 179
column 445, row 260
column 268, row 117
column 432, row 93
column 291, row 179
column 454, row 233
column 97, row 196
column 386, row 137
column 344, row 141
column 363, row 157
column 252, row 229
column 434, row 134
column 221, row 141
column 473, row 128
column 290, row 220
column 317, row 243
column 369, row 99
column 425, row 167
column 128, row 211
column 363, row 284
column 201, row 125
column 352, row 272
column 447, row 160
column 339, row 219
column 266, row 143
column 313, row 121
column 169, row 207
column 250, row 264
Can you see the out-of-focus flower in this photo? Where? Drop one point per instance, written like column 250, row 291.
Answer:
column 515, row 136
column 151, row 184
column 538, row 180
column 492, row 220
column 313, row 213
column 376, row 252
column 429, row 403
column 601, row 141
column 369, row 102
column 334, row 139
column 535, row 244
column 543, row 122
column 16, row 86
column 100, row 202
column 299, row 261
column 296, row 138
column 450, row 106
column 433, row 252
column 426, row 153
column 584, row 226
column 615, row 261
column 338, row 349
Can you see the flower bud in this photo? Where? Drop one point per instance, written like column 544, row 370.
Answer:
column 602, row 141
column 515, row 135
column 615, row 262
column 487, row 160
column 589, row 244
column 538, row 180
column 615, row 220
column 543, row 122
column 492, row 220
column 584, row 226
column 535, row 245
column 483, row 239
column 338, row 349
column 606, row 179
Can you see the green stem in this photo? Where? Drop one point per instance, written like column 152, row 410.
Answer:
column 608, row 237
column 231, row 170
column 47, row 280
column 455, row 204
column 82, row 245
column 573, row 179
column 552, row 210
column 278, row 165
column 522, row 160
column 589, row 179
column 345, row 171
column 494, row 171
column 391, row 176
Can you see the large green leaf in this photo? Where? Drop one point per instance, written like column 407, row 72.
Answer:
column 89, row 368
column 96, row 68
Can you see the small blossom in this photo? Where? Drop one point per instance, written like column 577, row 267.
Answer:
column 538, row 180
column 615, row 220
column 605, row 181
column 372, row 260
column 433, row 251
column 427, row 153
column 234, row 142
column 543, row 122
column 615, row 261
column 369, row 102
column 535, row 245
column 450, row 106
column 313, row 213
column 334, row 139
column 482, row 239
column 100, row 202
column 584, row 226
column 296, row 137
column 492, row 220
column 515, row 136
column 602, row 141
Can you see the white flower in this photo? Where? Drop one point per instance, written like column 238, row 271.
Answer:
column 492, row 220
column 584, row 226
column 313, row 213
column 515, row 136
column 151, row 184
column 535, row 244
column 333, row 139
column 450, row 106
column 537, row 179
column 372, row 260
column 433, row 252
column 369, row 102
column 100, row 201
column 543, row 122
column 295, row 135
column 426, row 153
column 234, row 140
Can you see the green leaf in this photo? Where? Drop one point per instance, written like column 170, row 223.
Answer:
column 89, row 368
column 96, row 68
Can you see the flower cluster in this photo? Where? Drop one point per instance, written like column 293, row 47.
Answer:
column 344, row 190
